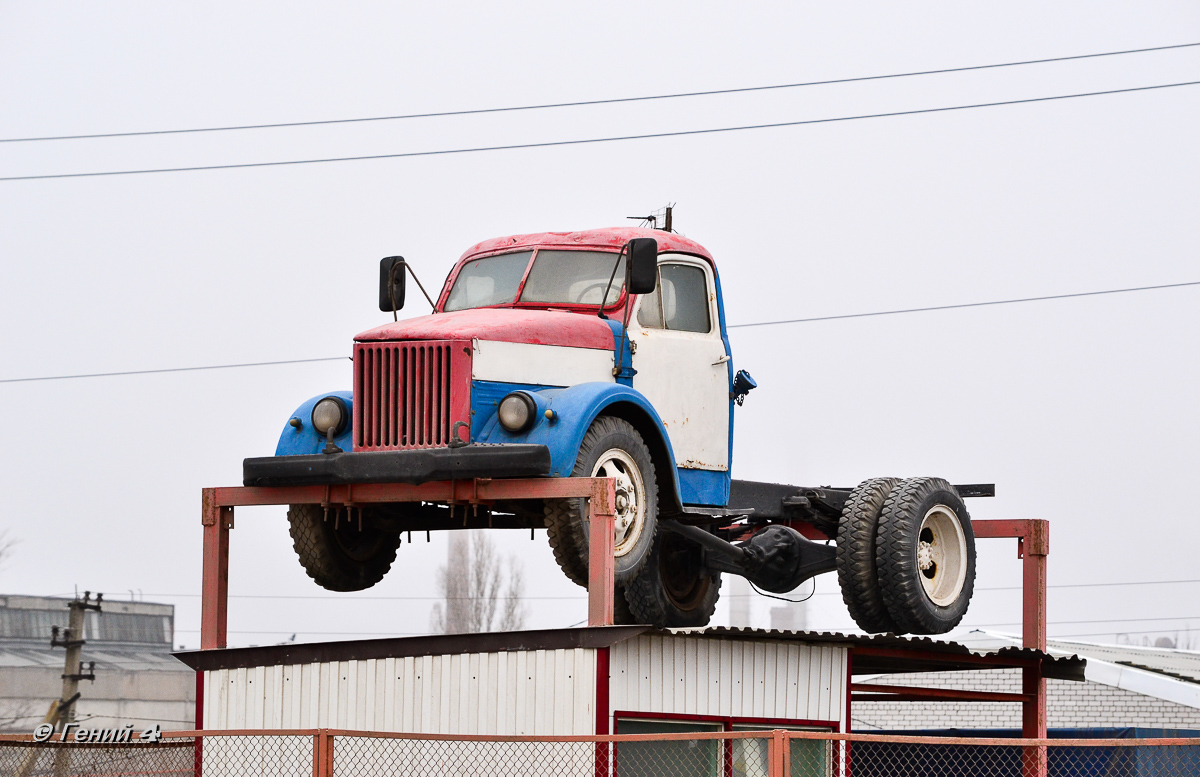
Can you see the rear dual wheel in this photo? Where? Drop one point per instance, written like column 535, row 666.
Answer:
column 906, row 556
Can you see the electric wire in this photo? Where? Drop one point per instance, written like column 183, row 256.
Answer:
column 173, row 369
column 611, row 101
column 731, row 326
column 964, row 305
column 584, row 141
column 1094, row 620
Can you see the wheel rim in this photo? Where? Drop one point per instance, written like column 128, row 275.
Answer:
column 942, row 555
column 631, row 497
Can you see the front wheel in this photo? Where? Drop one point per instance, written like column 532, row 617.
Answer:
column 925, row 556
column 612, row 448
column 341, row 549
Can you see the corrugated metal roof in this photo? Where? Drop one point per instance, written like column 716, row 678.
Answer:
column 1184, row 664
column 28, row 621
column 106, row 658
column 873, row 654
column 926, row 654
column 1164, row 673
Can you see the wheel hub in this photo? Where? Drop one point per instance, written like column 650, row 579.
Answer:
column 942, row 555
column 630, row 505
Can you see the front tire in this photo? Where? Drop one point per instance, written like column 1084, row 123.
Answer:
column 340, row 549
column 611, row 448
column 925, row 556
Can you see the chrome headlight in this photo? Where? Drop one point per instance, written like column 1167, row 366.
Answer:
column 330, row 413
column 516, row 412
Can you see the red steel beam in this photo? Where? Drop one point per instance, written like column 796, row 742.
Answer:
column 477, row 490
column 913, row 693
column 943, row 658
column 217, row 519
column 1033, row 545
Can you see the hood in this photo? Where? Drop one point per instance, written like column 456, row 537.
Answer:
column 509, row 325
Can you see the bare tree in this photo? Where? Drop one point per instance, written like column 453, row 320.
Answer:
column 7, row 544
column 18, row 716
column 481, row 592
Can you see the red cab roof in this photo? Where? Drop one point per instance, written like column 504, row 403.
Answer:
column 608, row 237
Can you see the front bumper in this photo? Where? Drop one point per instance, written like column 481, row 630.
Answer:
column 420, row 465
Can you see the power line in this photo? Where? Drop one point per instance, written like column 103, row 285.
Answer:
column 171, row 369
column 1103, row 620
column 540, row 106
column 1114, row 631
column 965, row 305
column 732, row 326
column 584, row 597
column 583, row 141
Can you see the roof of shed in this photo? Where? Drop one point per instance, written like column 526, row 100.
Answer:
column 1164, row 673
column 879, row 654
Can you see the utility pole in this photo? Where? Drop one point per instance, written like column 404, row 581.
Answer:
column 73, row 668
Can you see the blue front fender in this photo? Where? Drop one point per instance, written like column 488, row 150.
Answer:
column 306, row 440
column 574, row 409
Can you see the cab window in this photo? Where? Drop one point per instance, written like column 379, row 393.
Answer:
column 575, row 278
column 493, row 280
column 680, row 301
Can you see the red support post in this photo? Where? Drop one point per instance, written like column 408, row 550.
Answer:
column 601, row 530
column 1033, row 545
column 1034, row 725
column 214, row 601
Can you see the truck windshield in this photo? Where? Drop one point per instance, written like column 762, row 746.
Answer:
column 574, row 278
column 556, row 278
column 493, row 280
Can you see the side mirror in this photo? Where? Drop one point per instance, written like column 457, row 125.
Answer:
column 391, row 283
column 643, row 265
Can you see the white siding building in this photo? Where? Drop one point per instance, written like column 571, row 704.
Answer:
column 615, row 679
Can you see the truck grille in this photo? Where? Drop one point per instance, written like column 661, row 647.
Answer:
column 410, row 395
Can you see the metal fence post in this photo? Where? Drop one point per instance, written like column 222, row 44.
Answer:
column 323, row 753
column 777, row 754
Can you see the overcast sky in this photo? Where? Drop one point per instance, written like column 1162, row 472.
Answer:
column 1082, row 411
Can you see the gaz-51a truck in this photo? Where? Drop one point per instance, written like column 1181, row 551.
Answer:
column 602, row 353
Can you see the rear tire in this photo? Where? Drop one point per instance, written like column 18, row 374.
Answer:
column 353, row 556
column 925, row 556
column 611, row 448
column 856, row 534
column 674, row 589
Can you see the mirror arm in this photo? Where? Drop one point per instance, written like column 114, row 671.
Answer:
column 432, row 305
column 392, row 286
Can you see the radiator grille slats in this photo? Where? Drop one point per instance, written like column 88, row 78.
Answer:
column 403, row 393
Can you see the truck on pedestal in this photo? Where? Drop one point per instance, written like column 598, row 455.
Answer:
column 602, row 353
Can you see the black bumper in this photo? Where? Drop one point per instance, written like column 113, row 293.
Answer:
column 410, row 466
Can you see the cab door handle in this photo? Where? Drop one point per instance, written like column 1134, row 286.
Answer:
column 722, row 360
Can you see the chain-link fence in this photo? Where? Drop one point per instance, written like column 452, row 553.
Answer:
column 325, row 753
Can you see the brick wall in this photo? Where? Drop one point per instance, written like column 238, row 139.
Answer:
column 1068, row 705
